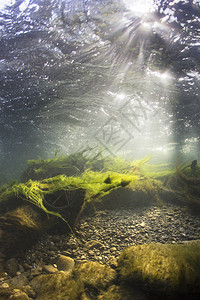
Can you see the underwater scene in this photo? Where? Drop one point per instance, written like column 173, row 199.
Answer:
column 99, row 149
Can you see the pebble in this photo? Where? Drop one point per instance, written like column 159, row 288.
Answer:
column 4, row 285
column 50, row 269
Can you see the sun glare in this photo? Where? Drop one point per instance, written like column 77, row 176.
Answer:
column 164, row 77
column 139, row 7
column 4, row 3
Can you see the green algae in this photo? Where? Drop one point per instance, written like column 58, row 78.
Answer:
column 72, row 164
column 35, row 191
column 76, row 163
column 94, row 173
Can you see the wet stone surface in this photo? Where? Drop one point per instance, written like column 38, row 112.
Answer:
column 103, row 236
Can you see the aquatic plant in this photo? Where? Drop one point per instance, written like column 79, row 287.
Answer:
column 52, row 194
column 72, row 164
column 77, row 163
column 93, row 183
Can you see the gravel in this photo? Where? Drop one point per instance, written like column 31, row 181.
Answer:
column 103, row 236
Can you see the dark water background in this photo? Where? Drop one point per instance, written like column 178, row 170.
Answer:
column 78, row 73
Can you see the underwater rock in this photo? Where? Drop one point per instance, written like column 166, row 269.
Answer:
column 95, row 274
column 20, row 228
column 18, row 281
column 56, row 286
column 86, row 278
column 65, row 263
column 50, row 269
column 14, row 294
column 35, row 272
column 11, row 266
column 168, row 270
column 93, row 244
column 113, row 262
column 29, row 291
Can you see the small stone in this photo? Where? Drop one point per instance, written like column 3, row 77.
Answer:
column 93, row 244
column 36, row 271
column 99, row 257
column 73, row 246
column 29, row 291
column 91, row 253
column 113, row 249
column 5, row 276
column 50, row 269
column 113, row 262
column 65, row 263
column 84, row 261
column 142, row 224
column 26, row 266
column 19, row 295
column 66, row 253
column 5, row 285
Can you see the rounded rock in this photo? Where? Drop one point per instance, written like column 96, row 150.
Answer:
column 65, row 263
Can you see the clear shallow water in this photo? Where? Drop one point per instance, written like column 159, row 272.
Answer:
column 98, row 73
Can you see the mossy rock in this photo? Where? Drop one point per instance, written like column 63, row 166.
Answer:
column 94, row 274
column 170, row 269
column 57, row 286
column 88, row 278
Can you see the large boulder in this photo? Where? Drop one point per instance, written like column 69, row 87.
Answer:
column 171, row 270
